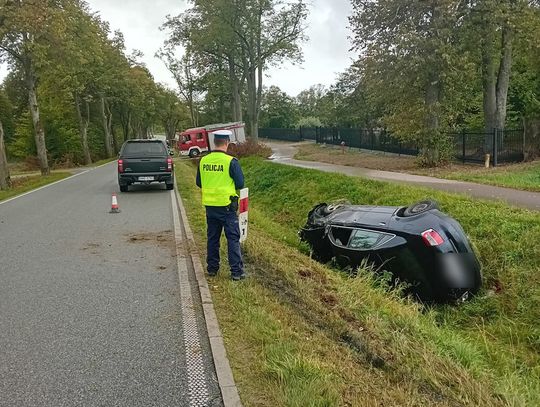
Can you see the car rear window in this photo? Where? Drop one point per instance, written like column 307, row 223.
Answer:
column 149, row 148
column 364, row 239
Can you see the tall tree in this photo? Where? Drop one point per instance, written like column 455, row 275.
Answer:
column 407, row 54
column 5, row 180
column 27, row 31
column 187, row 77
column 248, row 35
column 171, row 111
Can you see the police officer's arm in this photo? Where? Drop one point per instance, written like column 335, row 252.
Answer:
column 235, row 171
column 198, row 180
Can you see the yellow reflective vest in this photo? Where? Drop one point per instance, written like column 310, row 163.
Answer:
column 216, row 182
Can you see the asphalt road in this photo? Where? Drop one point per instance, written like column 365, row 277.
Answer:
column 90, row 309
column 284, row 153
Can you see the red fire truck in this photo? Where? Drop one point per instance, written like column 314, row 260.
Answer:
column 194, row 142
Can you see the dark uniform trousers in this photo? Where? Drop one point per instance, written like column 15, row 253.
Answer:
column 218, row 219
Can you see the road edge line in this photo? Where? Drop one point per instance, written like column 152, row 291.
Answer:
column 52, row 183
column 227, row 385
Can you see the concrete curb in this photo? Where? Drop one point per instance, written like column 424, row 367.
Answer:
column 229, row 391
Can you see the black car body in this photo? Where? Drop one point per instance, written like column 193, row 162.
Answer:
column 145, row 161
column 419, row 245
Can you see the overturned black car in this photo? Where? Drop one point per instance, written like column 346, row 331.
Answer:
column 418, row 245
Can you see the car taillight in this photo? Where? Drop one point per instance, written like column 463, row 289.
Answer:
column 432, row 238
column 169, row 164
column 120, row 166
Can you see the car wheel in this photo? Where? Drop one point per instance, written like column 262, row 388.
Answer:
column 328, row 209
column 124, row 188
column 194, row 153
column 420, row 207
column 169, row 186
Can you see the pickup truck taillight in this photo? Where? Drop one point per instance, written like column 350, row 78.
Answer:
column 120, row 165
column 169, row 164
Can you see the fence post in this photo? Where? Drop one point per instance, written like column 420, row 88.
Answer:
column 463, row 144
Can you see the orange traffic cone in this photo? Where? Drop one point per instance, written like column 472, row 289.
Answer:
column 114, row 206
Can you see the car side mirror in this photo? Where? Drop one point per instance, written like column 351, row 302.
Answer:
column 171, row 152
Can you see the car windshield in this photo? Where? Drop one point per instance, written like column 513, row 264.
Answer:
column 149, row 148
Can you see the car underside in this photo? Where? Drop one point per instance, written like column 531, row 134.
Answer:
column 419, row 245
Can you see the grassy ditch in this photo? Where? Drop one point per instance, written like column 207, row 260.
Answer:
column 25, row 184
column 298, row 333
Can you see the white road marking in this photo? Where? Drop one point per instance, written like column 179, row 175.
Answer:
column 197, row 389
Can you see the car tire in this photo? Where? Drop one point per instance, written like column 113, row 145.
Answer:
column 124, row 188
column 169, row 186
column 194, row 153
column 420, row 207
column 331, row 208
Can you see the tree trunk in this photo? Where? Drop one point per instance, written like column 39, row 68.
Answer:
column 83, row 128
column 39, row 133
column 115, row 141
column 5, row 180
column 236, row 101
column 503, row 78
column 431, row 150
column 126, row 126
column 252, row 103
column 106, row 122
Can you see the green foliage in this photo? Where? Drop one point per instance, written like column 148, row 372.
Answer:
column 309, row 121
column 278, row 110
column 6, row 116
column 22, row 144
column 87, row 86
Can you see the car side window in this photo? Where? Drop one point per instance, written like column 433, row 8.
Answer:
column 364, row 239
column 200, row 136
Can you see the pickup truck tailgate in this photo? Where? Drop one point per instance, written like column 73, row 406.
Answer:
column 142, row 165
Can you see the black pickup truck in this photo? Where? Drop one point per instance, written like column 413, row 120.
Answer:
column 145, row 162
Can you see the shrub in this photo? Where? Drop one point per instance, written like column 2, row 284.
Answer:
column 250, row 149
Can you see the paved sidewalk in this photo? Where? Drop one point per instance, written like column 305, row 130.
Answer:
column 284, row 153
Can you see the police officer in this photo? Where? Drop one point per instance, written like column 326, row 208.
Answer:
column 220, row 176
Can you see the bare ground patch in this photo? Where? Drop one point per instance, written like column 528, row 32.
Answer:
column 164, row 238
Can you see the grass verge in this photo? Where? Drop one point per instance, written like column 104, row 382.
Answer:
column 525, row 176
column 519, row 176
column 300, row 334
column 25, row 184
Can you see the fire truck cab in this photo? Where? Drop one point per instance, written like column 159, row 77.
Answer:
column 194, row 142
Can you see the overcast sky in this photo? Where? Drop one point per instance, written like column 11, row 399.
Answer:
column 325, row 53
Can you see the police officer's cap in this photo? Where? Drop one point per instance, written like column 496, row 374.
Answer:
column 222, row 135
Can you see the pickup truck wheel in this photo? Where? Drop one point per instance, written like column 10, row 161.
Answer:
column 124, row 188
column 194, row 153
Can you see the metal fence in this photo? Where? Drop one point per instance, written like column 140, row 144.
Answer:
column 504, row 146
column 281, row 134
